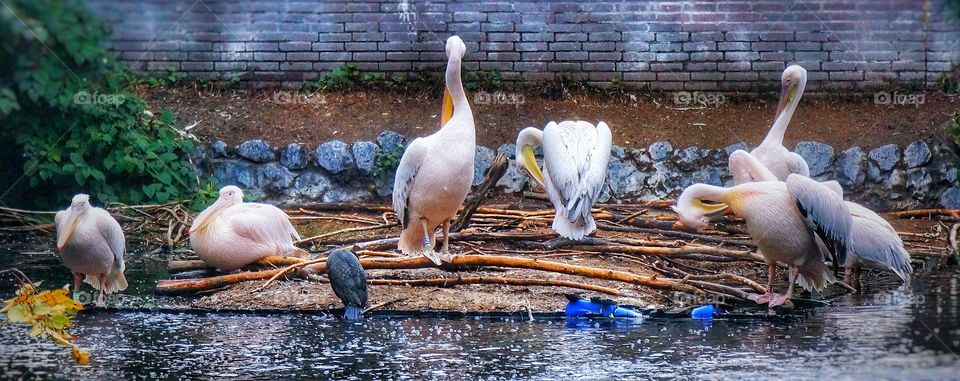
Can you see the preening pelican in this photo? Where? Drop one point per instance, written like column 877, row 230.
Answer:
column 771, row 152
column 91, row 244
column 231, row 233
column 872, row 243
column 435, row 172
column 575, row 157
column 784, row 219
column 349, row 282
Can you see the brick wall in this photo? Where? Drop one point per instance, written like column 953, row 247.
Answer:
column 670, row 45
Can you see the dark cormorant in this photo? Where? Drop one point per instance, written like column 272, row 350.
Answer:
column 348, row 281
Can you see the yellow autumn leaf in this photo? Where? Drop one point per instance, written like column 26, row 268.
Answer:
column 81, row 356
column 48, row 313
column 55, row 297
column 58, row 322
column 58, row 310
column 36, row 330
column 41, row 308
column 57, row 337
column 19, row 314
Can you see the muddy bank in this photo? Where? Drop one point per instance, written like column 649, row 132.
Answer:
column 637, row 119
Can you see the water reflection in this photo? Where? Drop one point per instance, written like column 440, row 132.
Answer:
column 892, row 334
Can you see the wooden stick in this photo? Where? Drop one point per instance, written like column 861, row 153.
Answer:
column 182, row 266
column 347, row 230
column 391, row 241
column 450, row 282
column 338, row 207
column 384, row 304
column 725, row 276
column 372, row 253
column 676, row 234
column 671, row 251
column 925, row 213
column 494, row 173
column 196, row 285
column 268, row 261
column 189, row 286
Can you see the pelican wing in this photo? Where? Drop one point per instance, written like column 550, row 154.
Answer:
column 112, row 233
column 260, row 223
column 747, row 168
column 576, row 156
column 406, row 172
column 834, row 186
column 825, row 212
column 873, row 243
column 796, row 164
column 859, row 211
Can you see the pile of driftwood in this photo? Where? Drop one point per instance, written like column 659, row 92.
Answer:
column 664, row 256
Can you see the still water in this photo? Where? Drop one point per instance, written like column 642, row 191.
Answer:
column 889, row 334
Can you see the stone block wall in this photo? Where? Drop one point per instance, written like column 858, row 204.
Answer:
column 724, row 45
column 919, row 175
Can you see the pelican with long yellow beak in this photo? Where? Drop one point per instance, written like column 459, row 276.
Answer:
column 575, row 158
column 771, row 152
column 435, row 173
column 91, row 245
column 785, row 219
column 873, row 242
column 231, row 234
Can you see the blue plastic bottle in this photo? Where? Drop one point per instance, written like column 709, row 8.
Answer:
column 704, row 312
column 579, row 307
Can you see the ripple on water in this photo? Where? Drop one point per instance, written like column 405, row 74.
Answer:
column 897, row 335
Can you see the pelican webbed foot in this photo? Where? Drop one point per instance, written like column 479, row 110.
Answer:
column 779, row 299
column 446, row 257
column 761, row 298
column 433, row 256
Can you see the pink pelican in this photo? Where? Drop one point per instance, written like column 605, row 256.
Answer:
column 575, row 158
column 91, row 244
column 795, row 222
column 771, row 152
column 436, row 171
column 872, row 241
column 231, row 234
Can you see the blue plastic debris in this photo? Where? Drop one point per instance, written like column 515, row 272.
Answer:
column 704, row 312
column 596, row 307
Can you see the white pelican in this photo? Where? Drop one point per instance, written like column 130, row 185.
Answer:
column 785, row 219
column 231, row 234
column 771, row 152
column 91, row 244
column 435, row 172
column 872, row 243
column 575, row 157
